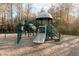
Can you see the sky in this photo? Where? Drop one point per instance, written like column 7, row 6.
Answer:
column 36, row 7
column 46, row 6
column 39, row 6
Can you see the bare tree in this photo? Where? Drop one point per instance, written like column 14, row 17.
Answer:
column 61, row 14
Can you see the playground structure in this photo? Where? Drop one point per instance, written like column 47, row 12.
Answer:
column 43, row 28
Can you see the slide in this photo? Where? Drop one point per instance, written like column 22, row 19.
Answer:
column 40, row 38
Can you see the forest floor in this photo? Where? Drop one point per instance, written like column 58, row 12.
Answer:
column 68, row 46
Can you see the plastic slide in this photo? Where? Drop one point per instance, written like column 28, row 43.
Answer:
column 40, row 38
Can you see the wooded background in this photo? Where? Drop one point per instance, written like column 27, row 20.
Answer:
column 65, row 21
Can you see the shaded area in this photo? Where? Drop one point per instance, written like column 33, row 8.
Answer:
column 69, row 46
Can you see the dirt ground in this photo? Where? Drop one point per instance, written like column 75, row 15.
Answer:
column 68, row 46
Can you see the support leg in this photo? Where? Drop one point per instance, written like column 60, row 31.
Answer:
column 18, row 38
